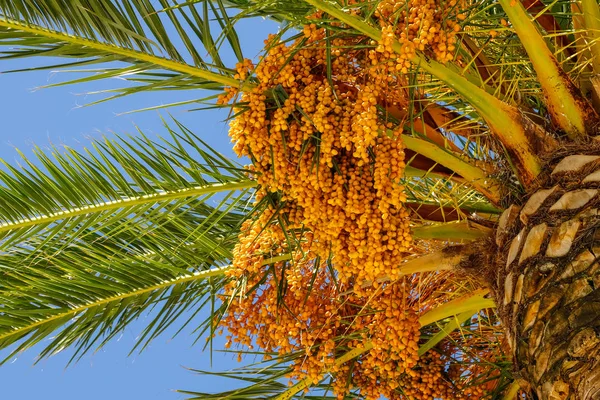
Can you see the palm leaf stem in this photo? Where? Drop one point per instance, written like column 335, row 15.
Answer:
column 129, row 202
column 506, row 122
column 511, row 392
column 453, row 231
column 445, row 260
column 450, row 212
column 472, row 174
column 591, row 15
column 547, row 21
column 475, row 300
column 467, row 207
column 564, row 102
column 138, row 56
column 450, row 326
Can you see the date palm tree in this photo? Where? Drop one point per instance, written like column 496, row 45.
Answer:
column 501, row 182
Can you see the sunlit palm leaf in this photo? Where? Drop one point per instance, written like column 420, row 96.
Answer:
column 288, row 11
column 149, row 38
column 92, row 241
column 110, row 183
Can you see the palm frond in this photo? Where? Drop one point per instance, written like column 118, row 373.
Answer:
column 265, row 379
column 119, row 177
column 287, row 11
column 91, row 241
column 160, row 46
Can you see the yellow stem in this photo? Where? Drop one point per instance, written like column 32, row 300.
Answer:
column 438, row 261
column 472, row 301
column 567, row 107
column 512, row 391
column 452, row 231
column 591, row 18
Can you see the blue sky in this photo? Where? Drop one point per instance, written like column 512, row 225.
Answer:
column 54, row 116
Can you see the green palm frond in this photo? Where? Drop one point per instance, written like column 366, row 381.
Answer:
column 118, row 177
column 160, row 46
column 288, row 11
column 265, row 380
column 93, row 240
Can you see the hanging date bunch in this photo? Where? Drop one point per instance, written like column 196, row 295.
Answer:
column 317, row 131
column 330, row 158
column 321, row 321
column 324, row 147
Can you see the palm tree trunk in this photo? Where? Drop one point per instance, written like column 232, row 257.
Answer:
column 546, row 279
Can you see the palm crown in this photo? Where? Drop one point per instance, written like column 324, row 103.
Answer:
column 382, row 136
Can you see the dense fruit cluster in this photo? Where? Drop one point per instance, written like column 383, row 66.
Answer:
column 320, row 319
column 327, row 150
column 330, row 160
column 317, row 131
column 426, row 381
column 314, row 313
column 419, row 25
column 394, row 332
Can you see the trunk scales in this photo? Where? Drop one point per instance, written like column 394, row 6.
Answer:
column 546, row 279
